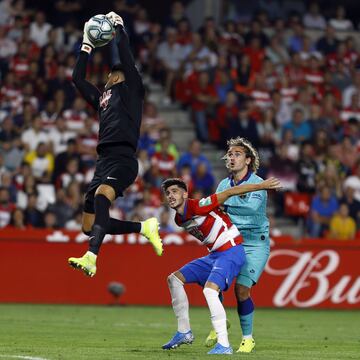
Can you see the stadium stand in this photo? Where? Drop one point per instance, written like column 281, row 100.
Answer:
column 290, row 84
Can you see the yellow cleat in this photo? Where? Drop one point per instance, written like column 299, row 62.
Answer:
column 246, row 346
column 151, row 232
column 211, row 340
column 87, row 264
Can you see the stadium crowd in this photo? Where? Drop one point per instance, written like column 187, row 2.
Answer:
column 296, row 98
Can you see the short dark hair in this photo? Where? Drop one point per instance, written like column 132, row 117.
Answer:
column 117, row 67
column 173, row 181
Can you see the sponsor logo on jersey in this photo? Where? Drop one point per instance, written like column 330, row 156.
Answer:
column 104, row 99
column 205, row 201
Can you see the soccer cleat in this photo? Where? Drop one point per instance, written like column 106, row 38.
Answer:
column 221, row 350
column 211, row 340
column 179, row 339
column 151, row 232
column 87, row 264
column 246, row 346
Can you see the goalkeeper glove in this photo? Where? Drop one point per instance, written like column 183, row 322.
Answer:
column 115, row 19
column 87, row 45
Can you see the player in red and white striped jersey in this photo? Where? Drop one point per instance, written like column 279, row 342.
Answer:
column 214, row 272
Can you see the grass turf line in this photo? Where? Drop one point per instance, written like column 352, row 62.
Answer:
column 60, row 332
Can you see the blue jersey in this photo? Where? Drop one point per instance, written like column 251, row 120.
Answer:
column 248, row 211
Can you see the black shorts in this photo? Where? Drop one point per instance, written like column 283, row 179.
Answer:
column 118, row 172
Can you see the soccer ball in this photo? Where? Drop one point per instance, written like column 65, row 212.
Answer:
column 100, row 30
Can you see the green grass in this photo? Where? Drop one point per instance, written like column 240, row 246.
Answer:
column 112, row 333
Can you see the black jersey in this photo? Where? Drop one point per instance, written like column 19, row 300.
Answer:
column 120, row 106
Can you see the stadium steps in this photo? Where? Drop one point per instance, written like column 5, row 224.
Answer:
column 183, row 132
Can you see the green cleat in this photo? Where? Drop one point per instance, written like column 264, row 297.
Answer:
column 246, row 346
column 211, row 340
column 87, row 264
column 151, row 232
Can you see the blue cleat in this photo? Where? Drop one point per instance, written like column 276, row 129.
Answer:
column 221, row 350
column 179, row 339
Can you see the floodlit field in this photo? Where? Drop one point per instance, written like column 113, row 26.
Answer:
column 109, row 333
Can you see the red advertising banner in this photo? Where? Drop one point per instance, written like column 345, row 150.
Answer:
column 302, row 274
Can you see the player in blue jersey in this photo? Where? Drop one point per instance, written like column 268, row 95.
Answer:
column 248, row 213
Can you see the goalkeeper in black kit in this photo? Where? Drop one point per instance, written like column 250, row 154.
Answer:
column 119, row 108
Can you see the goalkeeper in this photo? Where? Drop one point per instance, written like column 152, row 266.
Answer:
column 119, row 109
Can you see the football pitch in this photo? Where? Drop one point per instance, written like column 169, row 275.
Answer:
column 39, row 332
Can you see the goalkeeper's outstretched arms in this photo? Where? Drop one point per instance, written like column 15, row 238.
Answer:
column 268, row 184
column 90, row 92
column 132, row 77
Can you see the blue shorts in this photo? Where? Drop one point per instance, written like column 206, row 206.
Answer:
column 219, row 267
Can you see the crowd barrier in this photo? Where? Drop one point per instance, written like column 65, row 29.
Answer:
column 300, row 274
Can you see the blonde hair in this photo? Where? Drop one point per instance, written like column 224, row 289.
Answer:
column 250, row 152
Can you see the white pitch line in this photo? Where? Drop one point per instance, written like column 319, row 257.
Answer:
column 21, row 357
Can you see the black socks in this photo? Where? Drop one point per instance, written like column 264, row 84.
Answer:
column 102, row 205
column 103, row 224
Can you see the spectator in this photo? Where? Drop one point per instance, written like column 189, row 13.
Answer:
column 193, row 157
column 6, row 207
column 59, row 136
column 41, row 162
column 204, row 97
column 346, row 153
column 8, row 48
column 165, row 141
column 323, row 207
column 152, row 123
column 75, row 224
column 76, row 115
column 203, row 180
column 307, row 169
column 72, row 174
column 170, row 54
column 353, row 181
column 339, row 22
column 39, row 30
column 143, row 161
column 299, row 127
column 313, row 18
column 61, row 208
column 353, row 204
column 163, row 163
column 328, row 43
column 34, row 135
column 62, row 159
column 50, row 221
column 166, row 225
column 342, row 226
column 33, row 216
column 18, row 220
column 197, row 52
column 277, row 53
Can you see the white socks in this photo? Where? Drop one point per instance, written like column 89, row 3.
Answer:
column 218, row 315
column 180, row 303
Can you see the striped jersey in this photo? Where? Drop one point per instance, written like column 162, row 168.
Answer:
column 204, row 220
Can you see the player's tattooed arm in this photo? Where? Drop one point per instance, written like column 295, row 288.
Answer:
column 271, row 183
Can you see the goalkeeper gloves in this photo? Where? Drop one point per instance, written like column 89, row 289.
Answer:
column 115, row 19
column 87, row 45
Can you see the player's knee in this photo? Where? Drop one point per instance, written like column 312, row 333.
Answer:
column 174, row 281
column 242, row 292
column 86, row 230
column 107, row 191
